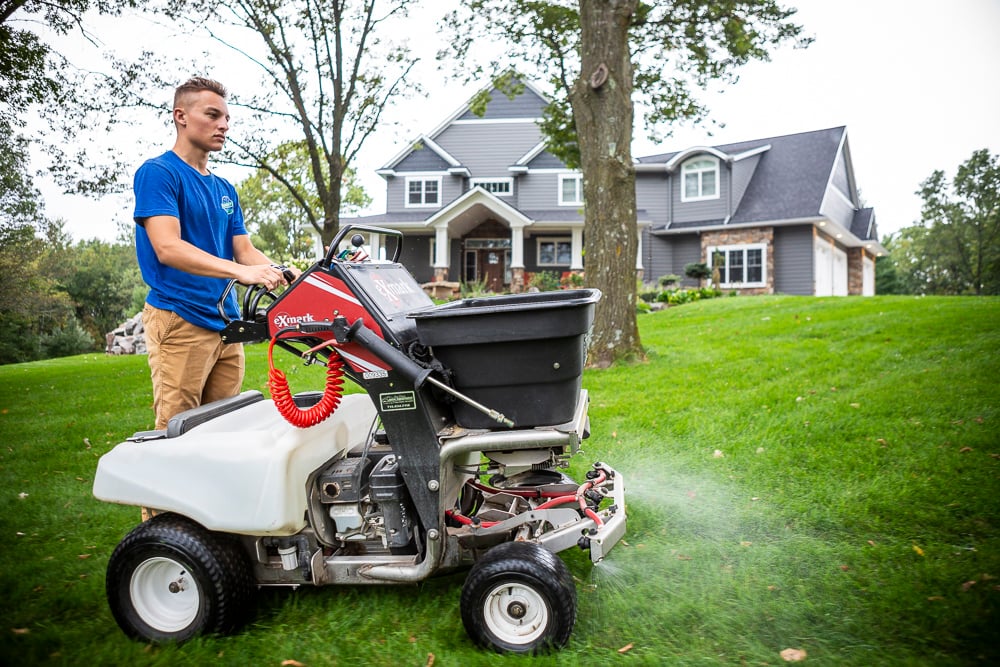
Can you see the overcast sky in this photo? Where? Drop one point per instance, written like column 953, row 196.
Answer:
column 914, row 81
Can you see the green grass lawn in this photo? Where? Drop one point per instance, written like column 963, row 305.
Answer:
column 820, row 474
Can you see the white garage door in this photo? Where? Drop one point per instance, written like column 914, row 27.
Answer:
column 839, row 272
column 824, row 269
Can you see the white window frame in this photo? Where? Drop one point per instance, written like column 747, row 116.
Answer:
column 500, row 186
column 744, row 247
column 578, row 177
column 690, row 167
column 423, row 179
column 556, row 240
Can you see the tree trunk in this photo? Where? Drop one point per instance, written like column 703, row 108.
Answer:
column 602, row 107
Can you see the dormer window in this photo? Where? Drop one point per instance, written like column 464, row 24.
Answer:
column 502, row 187
column 570, row 190
column 423, row 191
column 700, row 179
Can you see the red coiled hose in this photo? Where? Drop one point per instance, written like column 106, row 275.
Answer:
column 277, row 382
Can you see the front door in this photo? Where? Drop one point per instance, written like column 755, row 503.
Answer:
column 493, row 268
column 487, row 260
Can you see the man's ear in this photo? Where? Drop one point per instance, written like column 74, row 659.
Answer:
column 180, row 117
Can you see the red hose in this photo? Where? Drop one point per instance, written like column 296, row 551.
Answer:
column 277, row 382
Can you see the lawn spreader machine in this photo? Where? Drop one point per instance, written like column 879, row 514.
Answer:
column 453, row 458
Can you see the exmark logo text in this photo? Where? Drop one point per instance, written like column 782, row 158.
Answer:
column 283, row 320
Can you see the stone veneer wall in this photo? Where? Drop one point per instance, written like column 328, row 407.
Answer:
column 745, row 236
column 856, row 271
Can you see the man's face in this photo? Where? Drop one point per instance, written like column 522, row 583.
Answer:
column 204, row 118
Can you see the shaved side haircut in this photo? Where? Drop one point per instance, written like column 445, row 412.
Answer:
column 196, row 85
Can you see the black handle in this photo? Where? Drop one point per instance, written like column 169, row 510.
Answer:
column 347, row 229
column 371, row 341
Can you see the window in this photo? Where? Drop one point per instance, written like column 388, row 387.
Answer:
column 502, row 187
column 421, row 191
column 554, row 252
column 570, row 190
column 740, row 266
column 700, row 179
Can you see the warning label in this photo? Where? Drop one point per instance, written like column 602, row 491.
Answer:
column 400, row 400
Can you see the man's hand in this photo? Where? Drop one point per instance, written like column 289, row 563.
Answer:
column 268, row 275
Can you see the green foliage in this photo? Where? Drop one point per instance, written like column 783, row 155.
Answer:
column 668, row 281
column 956, row 247
column 851, row 510
column 474, row 288
column 698, row 271
column 60, row 290
column 65, row 341
column 545, row 281
column 102, row 280
column 283, row 213
column 679, row 46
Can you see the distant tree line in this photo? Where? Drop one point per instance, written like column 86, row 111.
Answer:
column 955, row 247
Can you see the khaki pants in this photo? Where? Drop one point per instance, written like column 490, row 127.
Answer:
column 190, row 366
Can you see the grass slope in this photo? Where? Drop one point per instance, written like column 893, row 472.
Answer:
column 819, row 474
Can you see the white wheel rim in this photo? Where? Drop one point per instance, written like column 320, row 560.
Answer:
column 515, row 613
column 164, row 594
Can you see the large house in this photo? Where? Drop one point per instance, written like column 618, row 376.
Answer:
column 480, row 199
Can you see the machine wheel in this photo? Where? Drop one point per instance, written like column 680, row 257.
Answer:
column 520, row 598
column 171, row 579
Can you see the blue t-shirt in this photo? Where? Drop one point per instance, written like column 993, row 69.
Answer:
column 210, row 216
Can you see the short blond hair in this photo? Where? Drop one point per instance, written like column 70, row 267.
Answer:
column 196, row 85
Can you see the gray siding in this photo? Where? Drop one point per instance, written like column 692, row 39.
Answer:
column 487, row 149
column 670, row 254
column 658, row 255
column 531, row 253
column 546, row 160
column 538, row 191
column 651, row 192
column 415, row 256
column 451, row 187
column 710, row 209
column 793, row 260
column 686, row 250
column 422, row 159
column 526, row 105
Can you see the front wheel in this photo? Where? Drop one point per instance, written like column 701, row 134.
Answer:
column 519, row 598
column 171, row 579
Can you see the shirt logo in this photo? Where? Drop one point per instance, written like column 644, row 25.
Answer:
column 227, row 205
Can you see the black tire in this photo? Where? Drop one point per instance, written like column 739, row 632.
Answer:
column 171, row 579
column 519, row 598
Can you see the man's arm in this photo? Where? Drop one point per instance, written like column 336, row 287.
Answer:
column 251, row 267
column 245, row 252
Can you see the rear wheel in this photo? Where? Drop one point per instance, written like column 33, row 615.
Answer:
column 171, row 579
column 519, row 598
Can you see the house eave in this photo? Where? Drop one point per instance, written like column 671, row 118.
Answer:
column 827, row 227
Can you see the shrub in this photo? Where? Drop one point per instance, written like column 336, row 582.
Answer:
column 669, row 281
column 545, row 281
column 474, row 288
column 571, row 279
column 66, row 341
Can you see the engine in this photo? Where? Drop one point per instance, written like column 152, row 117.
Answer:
column 367, row 501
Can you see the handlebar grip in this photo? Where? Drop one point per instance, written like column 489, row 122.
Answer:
column 369, row 340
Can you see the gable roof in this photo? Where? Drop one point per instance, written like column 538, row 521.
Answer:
column 790, row 179
column 528, row 105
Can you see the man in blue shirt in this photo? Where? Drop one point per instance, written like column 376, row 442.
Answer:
column 190, row 241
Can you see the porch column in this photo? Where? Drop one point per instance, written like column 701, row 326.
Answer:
column 375, row 246
column 516, row 258
column 576, row 250
column 442, row 253
column 638, row 251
